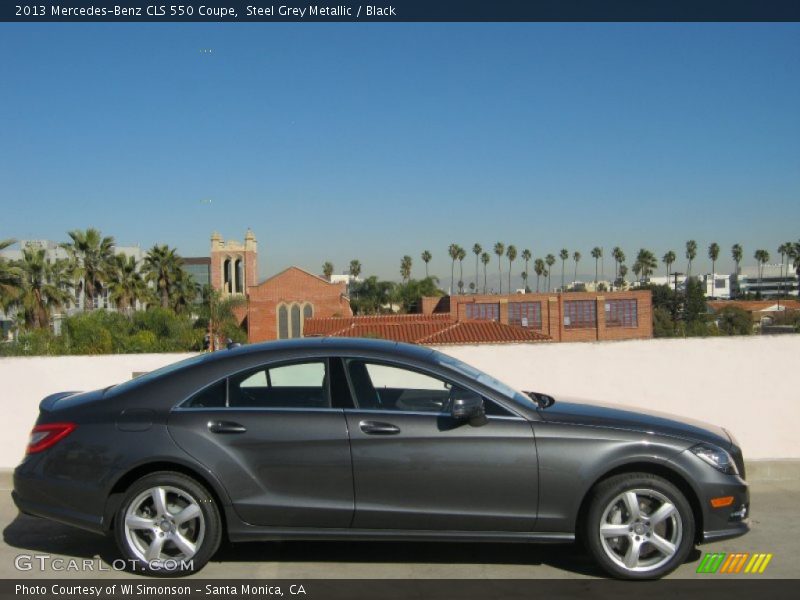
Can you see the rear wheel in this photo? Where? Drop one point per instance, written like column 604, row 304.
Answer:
column 639, row 526
column 167, row 524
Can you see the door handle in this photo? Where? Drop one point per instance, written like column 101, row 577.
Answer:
column 378, row 428
column 225, row 427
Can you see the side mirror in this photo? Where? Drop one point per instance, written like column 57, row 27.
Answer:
column 466, row 405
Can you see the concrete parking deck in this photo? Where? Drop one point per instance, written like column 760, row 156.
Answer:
column 775, row 529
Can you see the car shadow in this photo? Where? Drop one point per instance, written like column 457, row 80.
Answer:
column 37, row 535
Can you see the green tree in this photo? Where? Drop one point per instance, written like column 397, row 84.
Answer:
column 597, row 253
column 370, row 297
column 462, row 254
column 550, row 260
column 9, row 278
column 733, row 320
column 126, row 285
column 355, row 268
column 623, row 271
column 499, row 249
column 576, row 256
column 619, row 257
column 695, row 309
column 538, row 268
column 485, row 258
column 41, row 291
column 563, row 255
column 668, row 258
column 220, row 316
column 762, row 258
column 183, row 291
column 511, row 254
column 161, row 266
column 405, row 268
column 91, row 257
column 713, row 254
column 408, row 296
column 526, row 256
column 426, row 257
column 645, row 263
column 477, row 249
column 453, row 252
column 737, row 252
column 691, row 253
column 327, row 270
column 785, row 250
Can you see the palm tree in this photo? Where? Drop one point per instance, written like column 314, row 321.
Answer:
column 183, row 291
column 623, row 271
column 405, row 268
column 785, row 250
column 524, row 276
column 550, row 260
column 355, row 268
column 668, row 258
column 476, row 250
column 597, row 253
column 127, row 286
column 499, row 249
column 41, row 290
column 9, row 277
column 426, row 258
column 737, row 252
column 646, row 262
column 762, row 258
column 538, row 268
column 327, row 269
column 713, row 254
column 462, row 254
column 563, row 255
column 511, row 254
column 526, row 256
column 452, row 251
column 691, row 253
column 576, row 256
column 91, row 255
column 161, row 266
column 485, row 258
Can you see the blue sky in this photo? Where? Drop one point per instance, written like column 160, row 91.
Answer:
column 374, row 141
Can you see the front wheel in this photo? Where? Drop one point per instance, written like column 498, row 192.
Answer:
column 167, row 524
column 639, row 526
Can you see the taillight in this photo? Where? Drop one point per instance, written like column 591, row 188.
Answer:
column 44, row 436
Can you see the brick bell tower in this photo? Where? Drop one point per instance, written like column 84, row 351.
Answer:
column 234, row 266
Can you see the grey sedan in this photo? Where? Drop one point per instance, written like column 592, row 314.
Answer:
column 371, row 440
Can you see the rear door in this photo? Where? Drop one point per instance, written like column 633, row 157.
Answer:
column 417, row 468
column 276, row 441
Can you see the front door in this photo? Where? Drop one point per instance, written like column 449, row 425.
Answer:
column 417, row 468
column 276, row 442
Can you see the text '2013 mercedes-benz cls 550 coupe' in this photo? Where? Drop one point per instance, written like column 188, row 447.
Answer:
column 327, row 438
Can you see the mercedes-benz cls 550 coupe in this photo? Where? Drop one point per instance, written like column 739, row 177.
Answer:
column 327, row 438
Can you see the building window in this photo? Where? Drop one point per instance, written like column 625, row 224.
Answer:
column 525, row 314
column 622, row 313
column 296, row 331
column 483, row 311
column 719, row 283
column 579, row 314
column 283, row 322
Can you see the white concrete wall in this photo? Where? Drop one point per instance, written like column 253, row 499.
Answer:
column 749, row 385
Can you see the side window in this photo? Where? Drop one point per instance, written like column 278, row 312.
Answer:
column 212, row 396
column 296, row 385
column 385, row 387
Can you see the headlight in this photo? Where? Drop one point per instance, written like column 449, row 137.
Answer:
column 717, row 458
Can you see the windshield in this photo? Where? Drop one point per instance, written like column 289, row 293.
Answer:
column 485, row 379
column 142, row 379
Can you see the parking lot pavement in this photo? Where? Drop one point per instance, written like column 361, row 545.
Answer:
column 775, row 529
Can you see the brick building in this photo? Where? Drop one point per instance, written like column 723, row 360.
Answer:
column 570, row 317
column 514, row 318
column 278, row 307
column 234, row 266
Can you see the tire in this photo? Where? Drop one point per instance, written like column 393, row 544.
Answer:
column 653, row 520
column 167, row 525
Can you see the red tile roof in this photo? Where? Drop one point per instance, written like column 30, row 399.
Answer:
column 422, row 329
column 754, row 305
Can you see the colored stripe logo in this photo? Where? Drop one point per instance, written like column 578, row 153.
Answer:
column 736, row 562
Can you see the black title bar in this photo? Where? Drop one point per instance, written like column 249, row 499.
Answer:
column 236, row 11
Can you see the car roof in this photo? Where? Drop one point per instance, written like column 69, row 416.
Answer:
column 330, row 344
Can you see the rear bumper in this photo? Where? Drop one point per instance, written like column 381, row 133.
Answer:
column 45, row 497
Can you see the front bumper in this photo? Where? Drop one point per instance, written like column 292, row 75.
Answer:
column 730, row 521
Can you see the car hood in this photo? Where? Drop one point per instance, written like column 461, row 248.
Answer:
column 595, row 414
